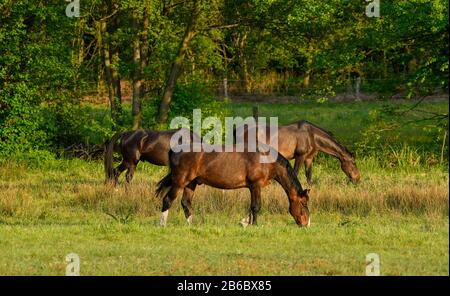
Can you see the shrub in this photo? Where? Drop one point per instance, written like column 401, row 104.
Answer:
column 20, row 120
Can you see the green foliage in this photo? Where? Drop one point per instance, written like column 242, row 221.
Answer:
column 48, row 62
column 381, row 137
column 186, row 98
column 37, row 78
column 21, row 121
column 196, row 96
column 39, row 159
column 318, row 93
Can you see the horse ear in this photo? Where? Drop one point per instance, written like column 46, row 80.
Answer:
column 305, row 192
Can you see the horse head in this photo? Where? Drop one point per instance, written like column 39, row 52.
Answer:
column 299, row 209
column 348, row 165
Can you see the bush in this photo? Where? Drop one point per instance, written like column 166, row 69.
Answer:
column 319, row 92
column 20, row 120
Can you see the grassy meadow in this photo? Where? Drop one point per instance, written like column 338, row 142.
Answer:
column 52, row 207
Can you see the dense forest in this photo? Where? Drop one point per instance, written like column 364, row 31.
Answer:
column 173, row 56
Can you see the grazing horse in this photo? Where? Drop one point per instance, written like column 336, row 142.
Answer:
column 139, row 145
column 302, row 141
column 231, row 170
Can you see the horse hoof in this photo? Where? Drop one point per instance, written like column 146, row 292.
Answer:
column 163, row 219
column 189, row 220
column 245, row 222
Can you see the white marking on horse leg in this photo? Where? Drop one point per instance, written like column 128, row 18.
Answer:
column 189, row 220
column 244, row 222
column 247, row 220
column 309, row 221
column 163, row 219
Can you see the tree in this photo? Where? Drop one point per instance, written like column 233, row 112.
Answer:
column 189, row 33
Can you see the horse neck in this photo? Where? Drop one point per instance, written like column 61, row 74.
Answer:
column 328, row 145
column 286, row 179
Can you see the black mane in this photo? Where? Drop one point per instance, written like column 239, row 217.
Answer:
column 290, row 172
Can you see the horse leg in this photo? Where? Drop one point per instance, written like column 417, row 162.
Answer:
column 186, row 201
column 298, row 162
column 255, row 206
column 130, row 172
column 118, row 170
column 167, row 202
column 308, row 170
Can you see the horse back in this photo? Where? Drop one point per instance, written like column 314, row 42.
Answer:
column 226, row 170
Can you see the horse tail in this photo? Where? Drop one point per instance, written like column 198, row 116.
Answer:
column 108, row 161
column 164, row 185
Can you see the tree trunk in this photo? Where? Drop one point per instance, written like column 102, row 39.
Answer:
column 189, row 33
column 137, row 74
column 111, row 58
column 385, row 66
column 115, row 62
column 140, row 60
column 307, row 78
column 309, row 62
column 244, row 75
column 100, row 69
column 412, row 63
column 243, row 65
column 116, row 84
column 108, row 72
column 80, row 42
column 144, row 46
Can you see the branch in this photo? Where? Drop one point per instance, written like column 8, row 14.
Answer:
column 434, row 117
column 429, row 112
column 166, row 8
column 106, row 17
column 413, row 107
column 220, row 27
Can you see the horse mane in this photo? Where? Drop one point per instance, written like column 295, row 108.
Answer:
column 290, row 172
column 328, row 134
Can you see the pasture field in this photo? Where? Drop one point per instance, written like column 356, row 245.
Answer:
column 52, row 207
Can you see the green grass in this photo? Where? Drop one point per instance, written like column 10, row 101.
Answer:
column 402, row 216
column 52, row 207
column 332, row 246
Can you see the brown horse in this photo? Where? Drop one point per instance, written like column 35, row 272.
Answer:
column 302, row 141
column 140, row 145
column 231, row 170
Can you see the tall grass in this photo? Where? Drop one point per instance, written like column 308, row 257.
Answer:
column 26, row 194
